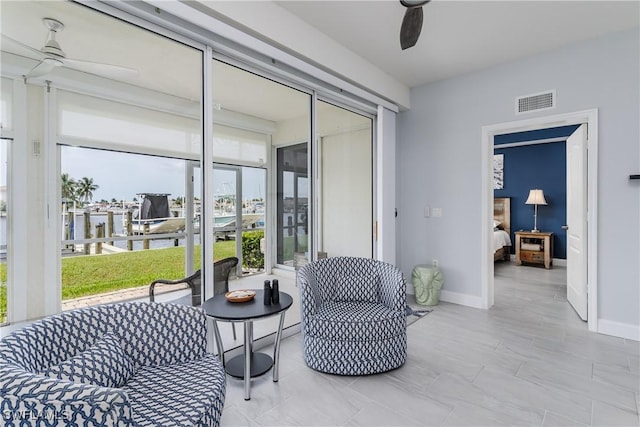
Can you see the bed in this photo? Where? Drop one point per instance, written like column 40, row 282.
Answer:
column 501, row 228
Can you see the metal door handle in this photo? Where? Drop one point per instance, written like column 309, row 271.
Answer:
column 565, row 227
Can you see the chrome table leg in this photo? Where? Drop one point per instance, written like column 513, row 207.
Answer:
column 276, row 349
column 248, row 352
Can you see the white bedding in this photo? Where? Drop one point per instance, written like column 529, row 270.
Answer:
column 500, row 239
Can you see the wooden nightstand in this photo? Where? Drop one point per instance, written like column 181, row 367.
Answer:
column 534, row 248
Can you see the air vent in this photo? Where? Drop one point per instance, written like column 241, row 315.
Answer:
column 536, row 102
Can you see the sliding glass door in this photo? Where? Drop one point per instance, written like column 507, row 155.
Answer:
column 256, row 118
column 239, row 215
column 292, row 204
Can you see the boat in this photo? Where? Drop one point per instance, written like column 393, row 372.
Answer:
column 154, row 217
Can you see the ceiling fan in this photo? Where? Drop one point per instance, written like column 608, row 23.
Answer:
column 411, row 23
column 51, row 56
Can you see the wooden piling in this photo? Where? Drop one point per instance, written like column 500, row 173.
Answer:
column 129, row 229
column 110, row 226
column 99, row 234
column 145, row 242
column 87, row 232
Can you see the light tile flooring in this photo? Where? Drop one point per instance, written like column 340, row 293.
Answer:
column 528, row 361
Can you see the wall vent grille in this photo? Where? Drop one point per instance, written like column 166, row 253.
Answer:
column 536, row 102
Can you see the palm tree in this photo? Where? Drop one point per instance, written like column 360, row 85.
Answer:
column 85, row 189
column 69, row 187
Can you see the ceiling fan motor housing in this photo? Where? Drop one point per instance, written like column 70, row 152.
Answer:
column 52, row 47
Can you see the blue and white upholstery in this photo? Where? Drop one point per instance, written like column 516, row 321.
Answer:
column 353, row 315
column 138, row 364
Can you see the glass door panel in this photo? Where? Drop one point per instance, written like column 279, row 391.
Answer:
column 293, row 205
column 254, row 209
column 239, row 215
column 225, row 206
column 121, row 231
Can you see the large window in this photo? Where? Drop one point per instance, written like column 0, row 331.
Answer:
column 124, row 218
column 129, row 150
column 96, row 151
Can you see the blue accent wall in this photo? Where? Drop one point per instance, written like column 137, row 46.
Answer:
column 532, row 166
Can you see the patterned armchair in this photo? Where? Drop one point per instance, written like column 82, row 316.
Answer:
column 142, row 364
column 353, row 315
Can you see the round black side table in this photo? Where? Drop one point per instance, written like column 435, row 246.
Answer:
column 251, row 363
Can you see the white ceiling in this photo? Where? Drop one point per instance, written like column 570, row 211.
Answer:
column 459, row 37
column 163, row 65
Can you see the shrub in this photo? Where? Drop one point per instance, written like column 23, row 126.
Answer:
column 252, row 257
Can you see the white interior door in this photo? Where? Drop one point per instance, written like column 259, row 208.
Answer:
column 577, row 221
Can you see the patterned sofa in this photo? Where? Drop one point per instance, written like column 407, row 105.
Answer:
column 353, row 315
column 138, row 364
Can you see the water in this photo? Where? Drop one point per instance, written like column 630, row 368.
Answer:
column 119, row 230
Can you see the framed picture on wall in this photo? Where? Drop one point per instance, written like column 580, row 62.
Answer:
column 498, row 171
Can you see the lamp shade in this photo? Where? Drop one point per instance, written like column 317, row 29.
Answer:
column 536, row 197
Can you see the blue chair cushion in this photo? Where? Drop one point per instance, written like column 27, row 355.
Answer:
column 355, row 321
column 103, row 364
column 183, row 394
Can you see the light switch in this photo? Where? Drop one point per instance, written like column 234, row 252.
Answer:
column 436, row 212
column 427, row 211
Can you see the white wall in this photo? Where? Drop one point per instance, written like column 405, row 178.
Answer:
column 346, row 186
column 439, row 163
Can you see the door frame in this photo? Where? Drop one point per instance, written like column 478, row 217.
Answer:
column 590, row 117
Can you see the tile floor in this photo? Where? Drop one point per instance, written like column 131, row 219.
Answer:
column 528, row 361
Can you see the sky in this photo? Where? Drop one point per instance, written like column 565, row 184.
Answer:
column 121, row 176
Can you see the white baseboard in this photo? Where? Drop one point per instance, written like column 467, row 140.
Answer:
column 560, row 262
column 618, row 329
column 462, row 299
column 556, row 261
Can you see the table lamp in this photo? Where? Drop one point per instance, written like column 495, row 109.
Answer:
column 536, row 197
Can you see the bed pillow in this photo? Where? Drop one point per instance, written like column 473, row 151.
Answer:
column 358, row 287
column 103, row 364
column 496, row 224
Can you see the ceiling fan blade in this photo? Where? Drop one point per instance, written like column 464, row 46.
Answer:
column 44, row 67
column 411, row 27
column 104, row 70
column 10, row 44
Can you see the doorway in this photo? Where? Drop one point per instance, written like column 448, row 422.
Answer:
column 588, row 117
column 292, row 205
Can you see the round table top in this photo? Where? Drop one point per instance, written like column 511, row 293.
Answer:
column 219, row 308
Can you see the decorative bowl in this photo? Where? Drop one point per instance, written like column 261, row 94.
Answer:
column 241, row 295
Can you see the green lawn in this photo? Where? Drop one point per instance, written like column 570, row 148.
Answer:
column 92, row 275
